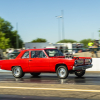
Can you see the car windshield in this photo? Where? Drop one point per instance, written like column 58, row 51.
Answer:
column 53, row 52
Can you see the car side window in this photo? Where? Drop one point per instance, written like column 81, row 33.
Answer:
column 26, row 55
column 37, row 54
column 33, row 54
column 42, row 55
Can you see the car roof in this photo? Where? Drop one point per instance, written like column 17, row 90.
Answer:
column 37, row 49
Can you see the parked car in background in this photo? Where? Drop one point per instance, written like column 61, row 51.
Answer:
column 46, row 60
column 12, row 55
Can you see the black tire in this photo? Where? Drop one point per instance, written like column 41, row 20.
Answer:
column 62, row 72
column 80, row 73
column 17, row 72
column 35, row 74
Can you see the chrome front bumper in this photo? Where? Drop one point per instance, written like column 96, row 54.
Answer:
column 82, row 67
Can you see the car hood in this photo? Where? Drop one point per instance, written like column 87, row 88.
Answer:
column 58, row 57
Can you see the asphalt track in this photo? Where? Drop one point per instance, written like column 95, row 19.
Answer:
column 50, row 87
column 90, row 78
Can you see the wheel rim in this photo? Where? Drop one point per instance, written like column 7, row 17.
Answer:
column 16, row 71
column 62, row 72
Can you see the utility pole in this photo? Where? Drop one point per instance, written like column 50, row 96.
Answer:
column 59, row 35
column 17, row 44
column 62, row 16
column 63, row 35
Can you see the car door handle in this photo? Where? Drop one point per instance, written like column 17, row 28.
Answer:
column 30, row 60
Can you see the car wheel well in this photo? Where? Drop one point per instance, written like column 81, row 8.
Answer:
column 60, row 65
column 14, row 66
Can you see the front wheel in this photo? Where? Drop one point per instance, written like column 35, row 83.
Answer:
column 35, row 74
column 62, row 72
column 80, row 73
column 17, row 72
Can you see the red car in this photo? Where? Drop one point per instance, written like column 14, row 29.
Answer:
column 47, row 60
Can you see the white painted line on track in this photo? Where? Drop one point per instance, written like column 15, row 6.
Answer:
column 60, row 89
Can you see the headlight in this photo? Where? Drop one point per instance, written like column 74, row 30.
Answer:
column 75, row 62
column 87, row 61
column 90, row 60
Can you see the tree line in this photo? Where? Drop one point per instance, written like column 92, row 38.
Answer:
column 84, row 41
column 8, row 37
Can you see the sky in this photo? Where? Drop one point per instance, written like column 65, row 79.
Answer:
column 37, row 18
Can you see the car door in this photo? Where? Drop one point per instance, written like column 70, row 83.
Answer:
column 39, row 62
column 24, row 61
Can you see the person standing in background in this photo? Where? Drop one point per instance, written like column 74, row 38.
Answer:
column 10, row 51
column 90, row 44
column 95, row 49
column 61, row 49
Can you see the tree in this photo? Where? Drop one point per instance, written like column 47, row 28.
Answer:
column 66, row 41
column 85, row 42
column 39, row 40
column 3, row 41
column 7, row 28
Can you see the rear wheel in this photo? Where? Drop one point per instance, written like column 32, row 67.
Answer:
column 62, row 72
column 17, row 72
column 35, row 74
column 80, row 73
